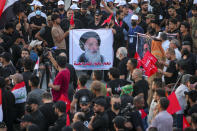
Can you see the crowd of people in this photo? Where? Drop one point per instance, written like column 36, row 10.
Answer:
column 52, row 97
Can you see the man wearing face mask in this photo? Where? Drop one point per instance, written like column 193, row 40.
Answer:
column 133, row 35
column 189, row 58
column 114, row 110
column 32, row 109
column 37, row 22
column 62, row 12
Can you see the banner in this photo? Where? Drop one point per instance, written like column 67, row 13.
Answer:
column 91, row 49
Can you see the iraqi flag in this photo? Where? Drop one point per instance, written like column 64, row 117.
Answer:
column 1, row 110
column 7, row 11
column 36, row 67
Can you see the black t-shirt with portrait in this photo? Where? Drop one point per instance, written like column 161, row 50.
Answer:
column 37, row 21
column 171, row 69
column 83, row 92
column 116, row 85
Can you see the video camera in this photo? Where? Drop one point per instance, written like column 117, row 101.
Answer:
column 127, row 110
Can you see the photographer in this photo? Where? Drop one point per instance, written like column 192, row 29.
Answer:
column 99, row 122
column 114, row 110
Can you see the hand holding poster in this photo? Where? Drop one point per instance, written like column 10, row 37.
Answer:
column 91, row 49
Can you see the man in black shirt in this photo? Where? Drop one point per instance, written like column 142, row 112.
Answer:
column 171, row 73
column 114, row 110
column 121, row 54
column 140, row 86
column 192, row 101
column 114, row 86
column 60, row 110
column 99, row 122
column 47, row 109
column 8, row 68
column 37, row 22
column 96, row 23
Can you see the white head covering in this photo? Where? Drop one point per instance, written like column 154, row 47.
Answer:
column 36, row 3
column 74, row 7
column 133, row 2
column 60, row 2
column 121, row 3
column 134, row 17
column 35, row 43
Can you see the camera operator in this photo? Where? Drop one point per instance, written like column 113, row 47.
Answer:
column 36, row 50
column 114, row 110
column 99, row 122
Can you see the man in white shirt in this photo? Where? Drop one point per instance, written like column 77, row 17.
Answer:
column 174, row 43
column 165, row 41
column 180, row 94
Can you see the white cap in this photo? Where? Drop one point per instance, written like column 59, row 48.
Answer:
column 35, row 43
column 133, row 2
column 195, row 2
column 60, row 2
column 116, row 1
column 36, row 3
column 159, row 34
column 75, row 0
column 74, row 7
column 121, row 3
column 134, row 17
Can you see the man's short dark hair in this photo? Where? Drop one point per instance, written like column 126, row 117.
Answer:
column 98, row 74
column 118, row 12
column 86, row 36
column 54, row 17
column 119, row 122
column 174, row 21
column 193, row 79
column 33, row 127
column 79, row 126
column 160, row 92
column 144, row 2
column 152, row 129
column 34, row 81
column 164, row 102
column 47, row 96
column 171, row 7
column 61, row 61
column 186, row 24
column 28, row 63
column 25, row 49
column 61, row 106
column 9, row 25
column 158, row 82
column 114, row 72
column 83, row 80
column 133, row 62
column 96, row 85
column 81, row 116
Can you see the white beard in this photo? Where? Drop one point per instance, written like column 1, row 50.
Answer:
column 93, row 57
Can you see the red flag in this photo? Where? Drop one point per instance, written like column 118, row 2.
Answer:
column 174, row 105
column 143, row 113
column 148, row 63
column 107, row 20
column 67, row 101
column 2, row 6
column 72, row 20
column 185, row 123
column 139, row 61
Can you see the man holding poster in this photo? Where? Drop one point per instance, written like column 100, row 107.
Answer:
column 91, row 49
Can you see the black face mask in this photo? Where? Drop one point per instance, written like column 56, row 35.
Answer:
column 61, row 9
column 117, row 106
column 28, row 109
column 185, row 52
column 134, row 23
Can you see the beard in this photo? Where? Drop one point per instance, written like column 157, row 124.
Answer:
column 93, row 57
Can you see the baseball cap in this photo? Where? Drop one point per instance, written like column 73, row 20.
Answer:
column 84, row 100
column 26, row 118
column 6, row 56
column 75, row 0
column 35, row 43
column 152, row 16
column 101, row 102
column 133, row 2
column 60, row 2
column 36, row 3
column 98, row 12
column 134, row 17
column 74, row 7
column 122, row 3
column 32, row 101
column 84, row 6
